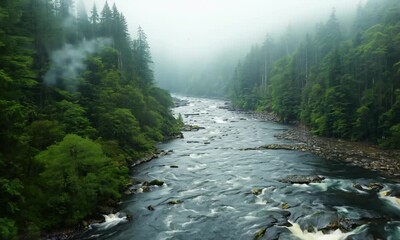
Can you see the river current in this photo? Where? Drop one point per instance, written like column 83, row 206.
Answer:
column 213, row 178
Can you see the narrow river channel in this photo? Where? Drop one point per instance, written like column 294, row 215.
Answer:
column 212, row 179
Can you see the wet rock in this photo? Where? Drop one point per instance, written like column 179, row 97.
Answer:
column 299, row 179
column 150, row 208
column 144, row 159
column 260, row 233
column 376, row 187
column 173, row 166
column 191, row 114
column 162, row 153
column 256, row 191
column 128, row 192
column 136, row 181
column 285, row 206
column 174, row 202
column 298, row 147
column 192, row 141
column 85, row 224
column 180, row 102
column 105, row 209
column 154, row 182
column 145, row 188
column 393, row 193
column 178, row 135
column 347, row 225
column 359, row 154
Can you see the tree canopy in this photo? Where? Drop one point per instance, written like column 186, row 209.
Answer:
column 78, row 105
column 340, row 83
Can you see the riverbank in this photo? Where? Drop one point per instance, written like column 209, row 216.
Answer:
column 361, row 154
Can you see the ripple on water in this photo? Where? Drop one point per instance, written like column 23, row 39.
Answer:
column 319, row 235
column 214, row 181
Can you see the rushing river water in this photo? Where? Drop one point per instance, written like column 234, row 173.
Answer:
column 214, row 178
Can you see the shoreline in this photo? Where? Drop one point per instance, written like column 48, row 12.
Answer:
column 361, row 154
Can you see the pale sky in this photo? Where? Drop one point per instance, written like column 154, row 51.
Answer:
column 185, row 31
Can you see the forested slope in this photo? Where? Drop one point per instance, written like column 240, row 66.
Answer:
column 77, row 105
column 341, row 83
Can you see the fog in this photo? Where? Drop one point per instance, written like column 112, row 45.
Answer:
column 186, row 36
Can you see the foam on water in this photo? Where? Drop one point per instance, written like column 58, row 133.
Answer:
column 393, row 201
column 197, row 167
column 195, row 155
column 319, row 235
column 110, row 220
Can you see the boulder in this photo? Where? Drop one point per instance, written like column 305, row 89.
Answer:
column 256, row 191
column 376, row 187
column 300, row 179
column 260, row 233
column 145, row 188
column 174, row 202
column 285, row 206
column 190, row 128
column 150, row 208
column 155, row 182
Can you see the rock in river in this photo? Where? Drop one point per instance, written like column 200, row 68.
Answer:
column 175, row 201
column 260, row 233
column 150, row 208
column 154, row 182
column 299, row 179
column 256, row 191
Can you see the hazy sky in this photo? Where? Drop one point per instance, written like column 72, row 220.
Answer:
column 185, row 31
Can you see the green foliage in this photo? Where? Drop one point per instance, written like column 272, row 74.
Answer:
column 76, row 175
column 73, row 116
column 8, row 230
column 45, row 133
column 343, row 85
column 52, row 173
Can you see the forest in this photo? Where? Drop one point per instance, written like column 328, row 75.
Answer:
column 341, row 82
column 78, row 106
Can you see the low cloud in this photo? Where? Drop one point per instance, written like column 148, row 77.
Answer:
column 68, row 62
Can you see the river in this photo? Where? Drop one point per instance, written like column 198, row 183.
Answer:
column 213, row 177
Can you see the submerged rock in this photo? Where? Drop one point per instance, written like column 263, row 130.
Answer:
column 150, row 208
column 174, row 202
column 145, row 188
column 260, row 233
column 256, row 191
column 285, row 206
column 299, row 179
column 191, row 114
column 370, row 187
column 178, row 102
column 128, row 192
column 190, row 128
column 156, row 182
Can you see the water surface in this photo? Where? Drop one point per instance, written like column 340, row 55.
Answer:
column 215, row 177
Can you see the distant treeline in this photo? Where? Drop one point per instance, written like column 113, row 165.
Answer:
column 77, row 105
column 344, row 85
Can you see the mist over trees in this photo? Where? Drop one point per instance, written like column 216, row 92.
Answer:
column 340, row 83
column 78, row 105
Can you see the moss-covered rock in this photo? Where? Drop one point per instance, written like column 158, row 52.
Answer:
column 256, row 191
column 174, row 202
column 260, row 233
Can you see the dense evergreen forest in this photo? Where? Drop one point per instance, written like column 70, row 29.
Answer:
column 77, row 105
column 343, row 84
